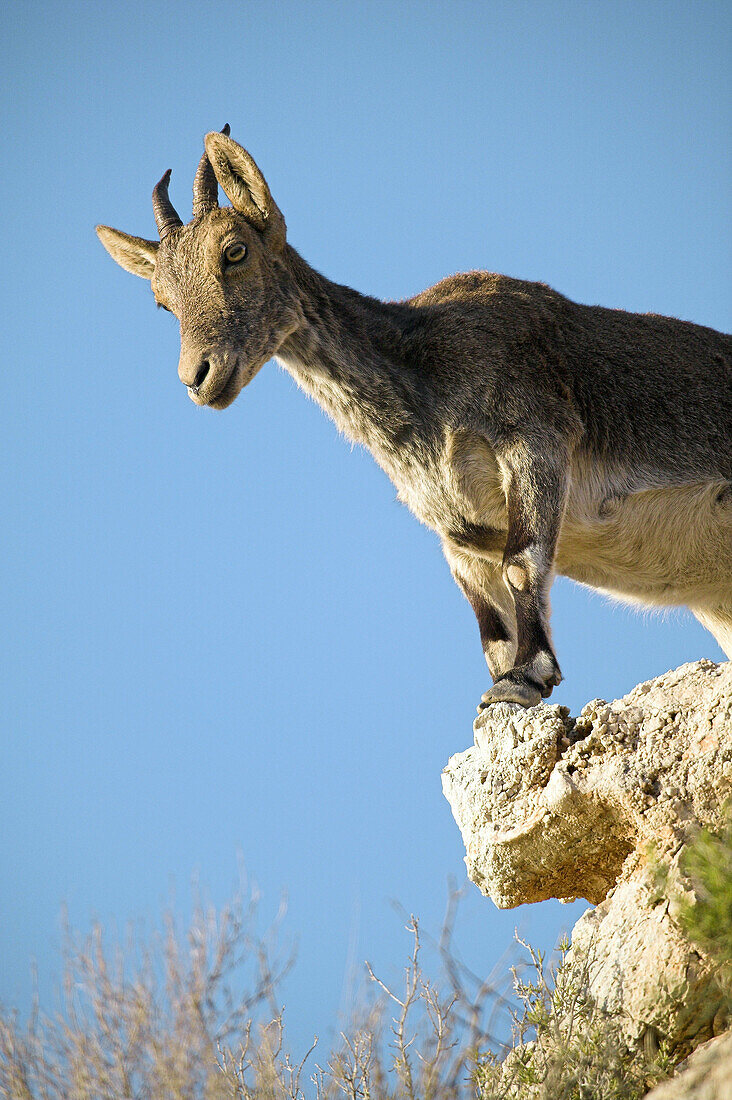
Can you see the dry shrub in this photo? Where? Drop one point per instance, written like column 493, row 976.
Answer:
column 146, row 1018
column 167, row 1020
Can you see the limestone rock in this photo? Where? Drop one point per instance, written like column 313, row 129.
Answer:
column 705, row 1075
column 549, row 806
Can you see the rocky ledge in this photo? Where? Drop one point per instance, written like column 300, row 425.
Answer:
column 600, row 807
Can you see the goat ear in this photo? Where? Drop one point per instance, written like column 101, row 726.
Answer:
column 134, row 254
column 246, row 188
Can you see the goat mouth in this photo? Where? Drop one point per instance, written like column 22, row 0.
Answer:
column 229, row 390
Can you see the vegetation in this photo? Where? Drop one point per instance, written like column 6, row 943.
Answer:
column 161, row 1020
column 166, row 1019
column 145, row 1019
column 565, row 1048
column 707, row 863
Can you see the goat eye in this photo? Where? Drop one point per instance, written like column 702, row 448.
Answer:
column 235, row 253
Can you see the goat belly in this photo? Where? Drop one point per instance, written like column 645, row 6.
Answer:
column 660, row 546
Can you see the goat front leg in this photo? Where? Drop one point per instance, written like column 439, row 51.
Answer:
column 482, row 584
column 535, row 480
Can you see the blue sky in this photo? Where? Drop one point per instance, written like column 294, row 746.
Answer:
column 224, row 640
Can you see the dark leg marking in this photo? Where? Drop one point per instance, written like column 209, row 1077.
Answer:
column 490, row 623
column 535, row 498
column 492, row 627
column 476, row 536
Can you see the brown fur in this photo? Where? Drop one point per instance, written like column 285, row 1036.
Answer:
column 535, row 435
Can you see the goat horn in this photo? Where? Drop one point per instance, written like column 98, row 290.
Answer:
column 205, row 185
column 166, row 217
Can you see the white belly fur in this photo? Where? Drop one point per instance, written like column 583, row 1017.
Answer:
column 661, row 546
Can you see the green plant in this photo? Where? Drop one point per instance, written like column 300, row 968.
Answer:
column 707, row 863
column 565, row 1047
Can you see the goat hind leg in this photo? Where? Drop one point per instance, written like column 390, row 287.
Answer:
column 718, row 621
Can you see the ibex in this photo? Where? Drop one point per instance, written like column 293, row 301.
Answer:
column 535, row 435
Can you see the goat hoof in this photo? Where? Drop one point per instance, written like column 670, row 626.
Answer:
column 525, row 692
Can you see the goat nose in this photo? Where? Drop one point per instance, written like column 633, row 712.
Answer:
column 201, row 374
